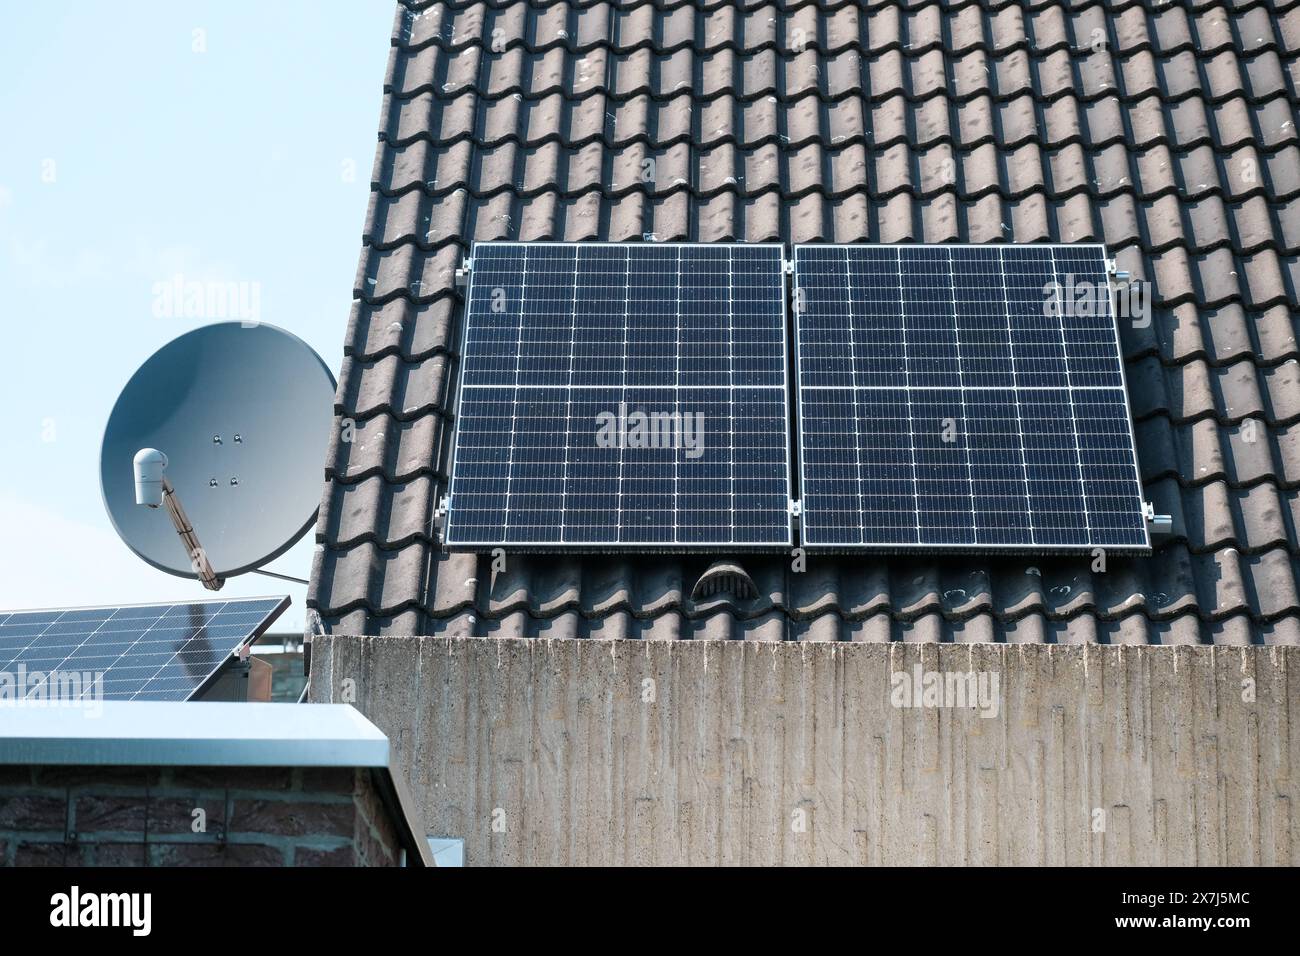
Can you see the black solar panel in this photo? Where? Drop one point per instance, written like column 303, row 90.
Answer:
column 622, row 396
column 144, row 652
column 962, row 397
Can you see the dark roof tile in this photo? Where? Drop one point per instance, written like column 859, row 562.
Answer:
column 399, row 326
column 385, row 514
column 387, row 446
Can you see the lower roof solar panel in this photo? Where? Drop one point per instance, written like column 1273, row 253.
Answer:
column 962, row 398
column 622, row 396
column 131, row 652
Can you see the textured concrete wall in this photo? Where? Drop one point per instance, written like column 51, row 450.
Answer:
column 559, row 752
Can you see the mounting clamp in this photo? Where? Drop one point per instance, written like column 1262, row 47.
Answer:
column 1157, row 524
column 440, row 518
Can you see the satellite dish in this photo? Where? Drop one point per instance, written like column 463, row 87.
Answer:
column 227, row 427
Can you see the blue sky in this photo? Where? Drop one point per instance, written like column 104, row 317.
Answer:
column 217, row 141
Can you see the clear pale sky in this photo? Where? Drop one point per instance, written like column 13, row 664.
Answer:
column 128, row 157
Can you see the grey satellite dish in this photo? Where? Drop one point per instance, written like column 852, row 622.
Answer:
column 223, row 431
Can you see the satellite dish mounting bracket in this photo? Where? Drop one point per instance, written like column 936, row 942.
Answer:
column 198, row 556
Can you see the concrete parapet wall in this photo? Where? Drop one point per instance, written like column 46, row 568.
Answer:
column 700, row 752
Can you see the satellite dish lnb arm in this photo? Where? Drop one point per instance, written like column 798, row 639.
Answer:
column 152, row 489
column 195, row 550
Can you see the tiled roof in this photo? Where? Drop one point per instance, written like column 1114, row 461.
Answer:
column 1165, row 129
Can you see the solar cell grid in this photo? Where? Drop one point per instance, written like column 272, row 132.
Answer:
column 144, row 652
column 962, row 397
column 618, row 395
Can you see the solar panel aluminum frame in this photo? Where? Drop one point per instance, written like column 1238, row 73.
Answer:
column 282, row 603
column 560, row 547
column 912, row 547
column 261, row 629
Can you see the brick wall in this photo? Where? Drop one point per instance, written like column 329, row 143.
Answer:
column 193, row 816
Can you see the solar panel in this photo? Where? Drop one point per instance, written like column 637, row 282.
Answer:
column 141, row 652
column 962, row 397
column 629, row 395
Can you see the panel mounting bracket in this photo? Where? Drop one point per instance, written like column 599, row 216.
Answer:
column 440, row 519
column 1157, row 524
column 463, row 271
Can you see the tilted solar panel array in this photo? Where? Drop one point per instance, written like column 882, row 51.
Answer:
column 622, row 395
column 145, row 652
column 962, row 397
